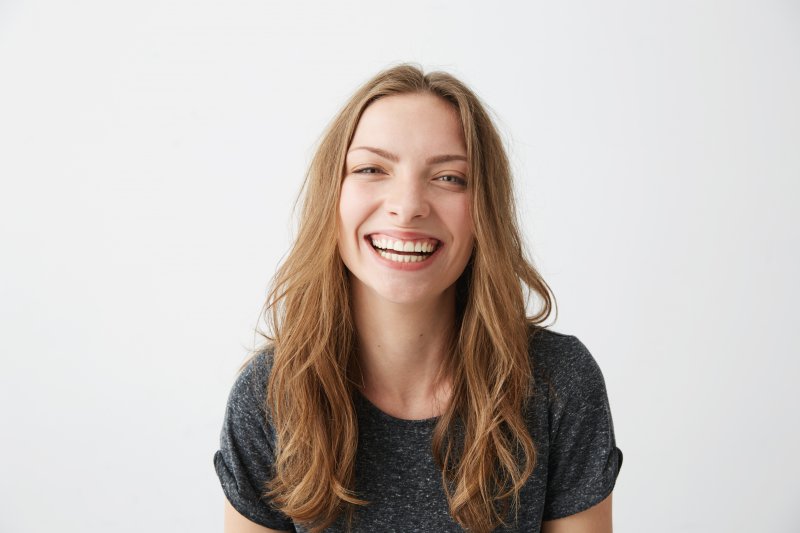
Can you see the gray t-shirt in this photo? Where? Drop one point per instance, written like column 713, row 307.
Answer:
column 569, row 420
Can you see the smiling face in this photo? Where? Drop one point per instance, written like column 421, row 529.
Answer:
column 405, row 230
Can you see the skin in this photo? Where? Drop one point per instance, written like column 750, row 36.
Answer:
column 402, row 316
column 596, row 519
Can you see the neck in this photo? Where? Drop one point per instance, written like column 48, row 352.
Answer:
column 403, row 350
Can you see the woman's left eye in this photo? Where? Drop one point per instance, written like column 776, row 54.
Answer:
column 453, row 179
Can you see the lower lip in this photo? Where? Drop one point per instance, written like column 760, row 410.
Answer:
column 408, row 267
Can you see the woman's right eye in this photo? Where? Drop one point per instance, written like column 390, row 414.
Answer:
column 365, row 169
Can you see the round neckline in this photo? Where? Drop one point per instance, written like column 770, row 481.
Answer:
column 374, row 409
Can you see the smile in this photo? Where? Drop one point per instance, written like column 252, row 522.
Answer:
column 404, row 251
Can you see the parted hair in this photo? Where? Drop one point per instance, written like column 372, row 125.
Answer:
column 481, row 442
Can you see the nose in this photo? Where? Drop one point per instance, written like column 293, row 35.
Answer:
column 406, row 199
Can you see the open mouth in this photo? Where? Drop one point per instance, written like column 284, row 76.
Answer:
column 404, row 251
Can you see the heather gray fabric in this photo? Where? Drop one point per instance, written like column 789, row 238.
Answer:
column 568, row 417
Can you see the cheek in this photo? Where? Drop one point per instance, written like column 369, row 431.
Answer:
column 458, row 212
column 351, row 199
column 355, row 206
column 348, row 206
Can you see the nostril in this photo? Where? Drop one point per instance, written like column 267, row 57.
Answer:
column 409, row 210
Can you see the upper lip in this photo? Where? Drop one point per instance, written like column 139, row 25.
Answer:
column 402, row 235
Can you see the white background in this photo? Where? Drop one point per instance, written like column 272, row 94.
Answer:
column 151, row 151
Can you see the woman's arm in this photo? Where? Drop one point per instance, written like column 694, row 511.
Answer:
column 596, row 519
column 236, row 523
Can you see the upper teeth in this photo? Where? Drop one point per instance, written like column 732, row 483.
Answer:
column 404, row 246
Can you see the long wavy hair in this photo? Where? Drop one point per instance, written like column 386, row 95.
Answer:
column 481, row 442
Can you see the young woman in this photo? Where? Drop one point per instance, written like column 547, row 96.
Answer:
column 403, row 386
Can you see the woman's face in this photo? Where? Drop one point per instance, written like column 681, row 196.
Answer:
column 405, row 230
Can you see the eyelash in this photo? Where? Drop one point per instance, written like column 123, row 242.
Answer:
column 456, row 179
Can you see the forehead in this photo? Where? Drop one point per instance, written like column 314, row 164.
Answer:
column 412, row 123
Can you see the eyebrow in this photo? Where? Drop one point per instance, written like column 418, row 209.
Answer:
column 395, row 158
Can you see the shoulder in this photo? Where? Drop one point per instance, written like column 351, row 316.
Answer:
column 573, row 419
column 250, row 386
column 246, row 455
column 564, row 363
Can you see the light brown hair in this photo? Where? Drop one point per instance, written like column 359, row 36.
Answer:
column 481, row 442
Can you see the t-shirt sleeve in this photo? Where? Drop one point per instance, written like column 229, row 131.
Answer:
column 246, row 453
column 584, row 460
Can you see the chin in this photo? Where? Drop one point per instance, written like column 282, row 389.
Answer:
column 406, row 294
column 403, row 296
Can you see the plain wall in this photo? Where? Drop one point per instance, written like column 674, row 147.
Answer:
column 151, row 151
